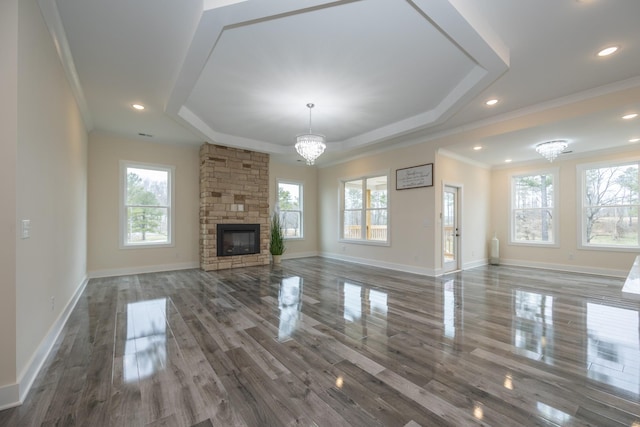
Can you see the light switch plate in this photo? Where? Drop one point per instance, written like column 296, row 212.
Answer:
column 25, row 232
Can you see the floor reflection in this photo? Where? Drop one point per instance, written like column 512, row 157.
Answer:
column 290, row 305
column 613, row 348
column 533, row 334
column 145, row 349
column 452, row 307
column 552, row 414
column 364, row 310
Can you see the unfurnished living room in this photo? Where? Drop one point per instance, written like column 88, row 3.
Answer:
column 320, row 213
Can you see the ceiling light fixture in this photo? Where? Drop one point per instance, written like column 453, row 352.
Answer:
column 608, row 51
column 478, row 147
column 630, row 116
column 491, row 102
column 310, row 145
column 634, row 140
column 138, row 106
column 550, row 149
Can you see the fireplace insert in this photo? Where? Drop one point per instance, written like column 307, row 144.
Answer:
column 238, row 239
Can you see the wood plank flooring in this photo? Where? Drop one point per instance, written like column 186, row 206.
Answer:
column 317, row 342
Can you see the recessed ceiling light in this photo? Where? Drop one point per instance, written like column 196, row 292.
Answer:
column 630, row 116
column 138, row 106
column 508, row 160
column 477, row 147
column 634, row 140
column 491, row 102
column 608, row 51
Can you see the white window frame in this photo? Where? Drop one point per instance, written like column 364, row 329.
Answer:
column 555, row 223
column 580, row 218
column 363, row 240
column 300, row 185
column 124, row 165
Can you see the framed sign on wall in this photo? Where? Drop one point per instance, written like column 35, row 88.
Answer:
column 414, row 177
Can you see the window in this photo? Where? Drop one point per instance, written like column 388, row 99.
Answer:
column 290, row 205
column 146, row 205
column 533, row 205
column 364, row 209
column 609, row 205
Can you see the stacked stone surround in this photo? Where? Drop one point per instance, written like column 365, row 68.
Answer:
column 234, row 189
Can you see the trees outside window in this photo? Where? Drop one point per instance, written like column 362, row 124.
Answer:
column 533, row 205
column 290, row 205
column 146, row 208
column 610, row 204
column 365, row 209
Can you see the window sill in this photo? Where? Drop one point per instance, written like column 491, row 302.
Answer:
column 147, row 246
column 365, row 242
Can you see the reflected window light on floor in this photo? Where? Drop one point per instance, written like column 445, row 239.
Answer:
column 553, row 414
column 613, row 346
column 290, row 305
column 145, row 348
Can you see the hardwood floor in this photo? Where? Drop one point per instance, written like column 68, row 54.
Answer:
column 321, row 342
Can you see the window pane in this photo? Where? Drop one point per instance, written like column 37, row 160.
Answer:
column 533, row 225
column 610, row 206
column 377, row 192
column 612, row 226
column 291, row 222
column 365, row 209
column 353, row 194
column 289, row 196
column 352, row 227
column 534, row 191
column 147, row 225
column 377, row 224
column 147, row 187
column 611, row 185
column 145, row 205
column 533, row 199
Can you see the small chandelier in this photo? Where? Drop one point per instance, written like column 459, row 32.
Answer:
column 310, row 145
column 550, row 149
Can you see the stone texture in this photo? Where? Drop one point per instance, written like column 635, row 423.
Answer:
column 234, row 189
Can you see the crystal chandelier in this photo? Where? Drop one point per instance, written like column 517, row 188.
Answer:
column 310, row 145
column 550, row 149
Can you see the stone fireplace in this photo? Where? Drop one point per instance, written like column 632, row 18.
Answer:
column 234, row 195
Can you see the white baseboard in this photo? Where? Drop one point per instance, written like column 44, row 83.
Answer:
column 382, row 264
column 143, row 269
column 474, row 264
column 564, row 267
column 299, row 255
column 9, row 396
column 14, row 395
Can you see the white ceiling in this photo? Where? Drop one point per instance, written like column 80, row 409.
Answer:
column 381, row 73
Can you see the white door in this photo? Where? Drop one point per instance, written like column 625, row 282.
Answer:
column 450, row 229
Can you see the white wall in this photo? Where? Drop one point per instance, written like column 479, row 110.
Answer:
column 412, row 218
column 8, row 153
column 51, row 176
column 567, row 256
column 105, row 258
column 308, row 246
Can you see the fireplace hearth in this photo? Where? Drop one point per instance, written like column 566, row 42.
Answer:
column 238, row 239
